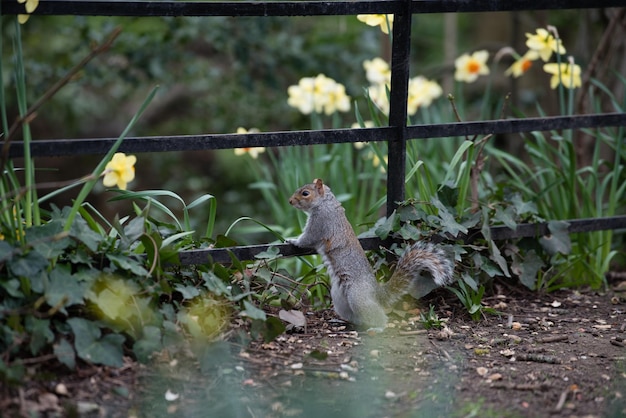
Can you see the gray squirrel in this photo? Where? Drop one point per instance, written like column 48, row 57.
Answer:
column 357, row 296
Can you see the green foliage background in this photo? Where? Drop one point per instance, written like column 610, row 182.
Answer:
column 217, row 74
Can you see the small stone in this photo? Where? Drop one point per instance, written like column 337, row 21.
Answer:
column 482, row 371
column 494, row 377
column 61, row 389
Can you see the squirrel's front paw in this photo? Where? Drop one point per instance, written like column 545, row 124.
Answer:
column 292, row 241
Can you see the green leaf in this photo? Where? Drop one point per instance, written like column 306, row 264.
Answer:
column 64, row 289
column 506, row 216
column 65, row 353
column 214, row 284
column 252, row 311
column 410, row 232
column 149, row 343
column 28, row 265
column 12, row 287
column 522, row 207
column 559, row 240
column 498, row 258
column 127, row 263
column 269, row 329
column 81, row 231
column 188, row 292
column 270, row 254
column 40, row 333
column 49, row 239
column 387, row 226
column 90, row 346
column 13, row 372
column 6, row 251
column 448, row 195
column 409, row 213
column 446, row 219
column 469, row 280
column 529, row 268
column 135, row 229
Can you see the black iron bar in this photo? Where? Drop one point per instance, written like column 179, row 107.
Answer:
column 95, row 146
column 498, row 233
column 398, row 97
column 296, row 8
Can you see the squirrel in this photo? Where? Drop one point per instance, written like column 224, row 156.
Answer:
column 357, row 296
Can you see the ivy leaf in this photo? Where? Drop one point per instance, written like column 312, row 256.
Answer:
column 446, row 219
column 90, row 346
column 410, row 232
column 497, row 257
column 81, row 231
column 47, row 239
column 448, row 195
column 128, row 263
column 64, row 288
column 188, row 292
column 529, row 268
column 270, row 254
column 521, row 207
column 40, row 334
column 135, row 229
column 28, row 265
column 506, row 216
column 65, row 353
column 6, row 251
column 558, row 241
column 252, row 311
column 149, row 343
column 269, row 329
column 387, row 226
column 409, row 213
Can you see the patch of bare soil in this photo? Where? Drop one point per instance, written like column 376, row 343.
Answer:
column 556, row 355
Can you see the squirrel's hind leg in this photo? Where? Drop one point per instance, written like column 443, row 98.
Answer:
column 370, row 314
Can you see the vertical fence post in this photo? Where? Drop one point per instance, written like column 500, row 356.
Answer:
column 400, row 65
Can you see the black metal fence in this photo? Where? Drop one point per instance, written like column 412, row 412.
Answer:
column 396, row 134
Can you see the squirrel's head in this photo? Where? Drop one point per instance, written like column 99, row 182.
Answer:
column 309, row 195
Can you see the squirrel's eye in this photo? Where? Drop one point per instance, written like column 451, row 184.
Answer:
column 305, row 193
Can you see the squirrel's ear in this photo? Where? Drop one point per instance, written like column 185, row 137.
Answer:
column 319, row 186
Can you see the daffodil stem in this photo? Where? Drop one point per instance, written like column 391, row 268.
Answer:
column 89, row 185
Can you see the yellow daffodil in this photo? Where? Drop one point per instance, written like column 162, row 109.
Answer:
column 384, row 21
column 356, row 125
column 544, row 43
column 566, row 73
column 377, row 163
column 30, row 6
column 252, row 151
column 378, row 95
column 318, row 94
column 377, row 71
column 522, row 64
column 120, row 170
column 422, row 92
column 469, row 67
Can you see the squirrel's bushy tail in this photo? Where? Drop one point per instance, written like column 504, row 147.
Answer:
column 409, row 277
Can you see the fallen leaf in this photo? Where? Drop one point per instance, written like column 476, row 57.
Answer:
column 296, row 318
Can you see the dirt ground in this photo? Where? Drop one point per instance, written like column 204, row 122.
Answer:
column 555, row 355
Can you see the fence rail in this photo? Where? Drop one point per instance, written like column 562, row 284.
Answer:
column 294, row 8
column 396, row 134
column 95, row 146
